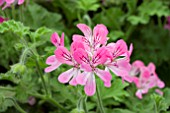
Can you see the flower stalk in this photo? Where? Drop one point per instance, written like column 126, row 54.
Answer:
column 99, row 100
column 16, row 105
column 42, row 78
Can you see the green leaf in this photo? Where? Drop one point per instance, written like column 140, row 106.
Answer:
column 77, row 111
column 113, row 18
column 39, row 16
column 4, row 102
column 15, row 27
column 160, row 103
column 158, row 8
column 88, row 5
column 135, row 20
column 116, row 90
column 114, row 35
column 131, row 4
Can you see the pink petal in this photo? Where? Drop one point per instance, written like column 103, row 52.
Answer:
column 151, row 67
column 104, row 75
column 120, row 67
column 63, row 55
column 2, row 19
column 100, row 56
column 139, row 94
column 20, row 2
column 66, row 76
column 52, row 67
column 100, row 34
column 6, row 5
column 90, row 87
column 62, row 40
column 120, row 48
column 145, row 74
column 73, row 81
column 78, row 38
column 130, row 49
column 159, row 92
column 55, row 39
column 136, row 81
column 138, row 64
column 82, row 39
column 81, row 56
column 85, row 29
column 2, row 2
column 86, row 67
column 160, row 84
column 82, row 78
column 75, row 45
column 51, row 59
column 9, row 1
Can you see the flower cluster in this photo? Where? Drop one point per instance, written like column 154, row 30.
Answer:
column 145, row 78
column 7, row 3
column 90, row 56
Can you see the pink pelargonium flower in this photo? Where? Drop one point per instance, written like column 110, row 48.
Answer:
column 52, row 60
column 66, row 57
column 92, row 40
column 9, row 2
column 147, row 78
column 119, row 58
column 89, row 65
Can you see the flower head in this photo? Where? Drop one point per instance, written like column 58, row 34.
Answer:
column 145, row 78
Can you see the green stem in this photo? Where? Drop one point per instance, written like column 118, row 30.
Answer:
column 129, row 32
column 99, row 100
column 84, row 104
column 7, row 88
column 51, row 100
column 155, row 106
column 48, row 99
column 13, row 11
column 41, row 75
column 16, row 105
column 159, row 22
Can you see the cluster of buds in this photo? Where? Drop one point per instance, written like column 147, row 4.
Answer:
column 90, row 56
column 7, row 3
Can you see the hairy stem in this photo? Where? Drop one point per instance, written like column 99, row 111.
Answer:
column 99, row 100
column 49, row 99
column 84, row 104
column 16, row 105
column 41, row 75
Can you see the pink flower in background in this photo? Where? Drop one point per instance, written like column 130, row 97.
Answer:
column 147, row 78
column 119, row 59
column 167, row 26
column 7, row 3
column 2, row 19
